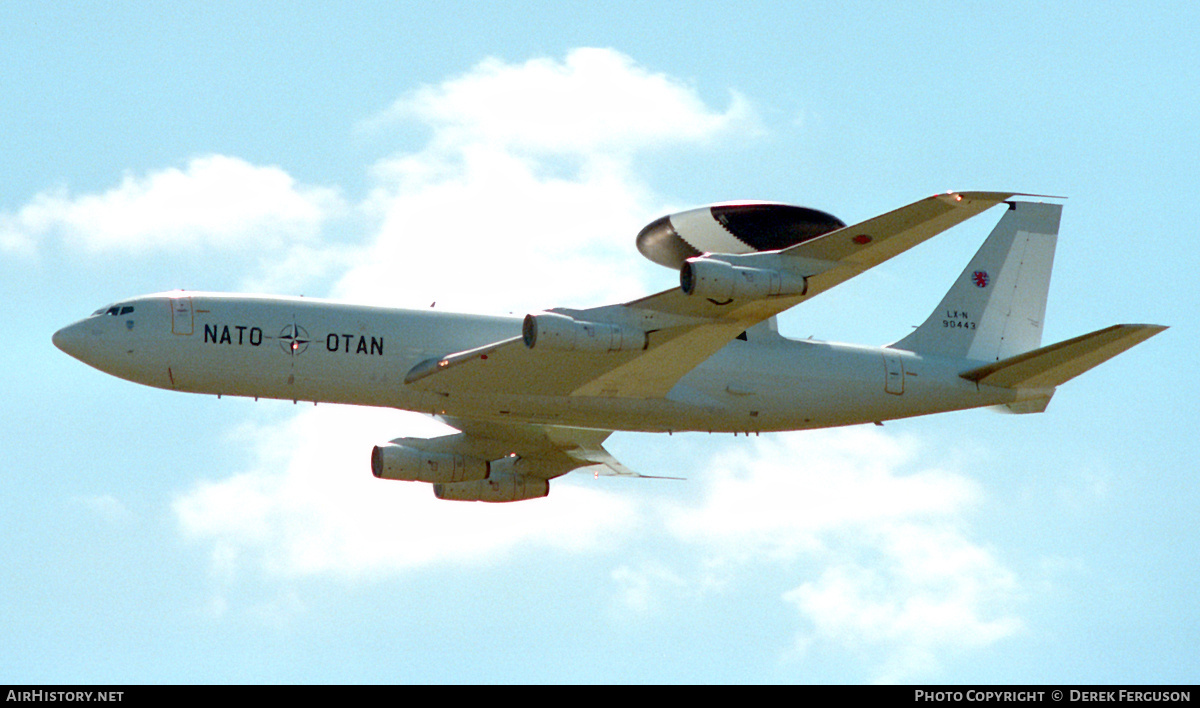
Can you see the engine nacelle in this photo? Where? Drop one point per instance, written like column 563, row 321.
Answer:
column 718, row 280
column 549, row 330
column 392, row 461
column 502, row 488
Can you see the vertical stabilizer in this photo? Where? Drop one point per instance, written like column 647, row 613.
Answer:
column 996, row 308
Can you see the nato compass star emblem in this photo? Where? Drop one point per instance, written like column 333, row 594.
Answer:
column 294, row 339
column 980, row 278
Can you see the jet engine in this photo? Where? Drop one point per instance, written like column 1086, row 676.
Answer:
column 549, row 330
column 392, row 461
column 718, row 280
column 503, row 488
column 732, row 228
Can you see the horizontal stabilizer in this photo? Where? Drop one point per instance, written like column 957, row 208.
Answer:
column 1050, row 366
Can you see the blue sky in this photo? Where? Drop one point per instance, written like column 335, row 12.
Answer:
column 502, row 158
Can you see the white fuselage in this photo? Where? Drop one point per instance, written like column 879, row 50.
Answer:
column 312, row 350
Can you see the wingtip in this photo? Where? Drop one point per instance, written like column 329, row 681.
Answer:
column 1143, row 327
column 969, row 197
column 957, row 198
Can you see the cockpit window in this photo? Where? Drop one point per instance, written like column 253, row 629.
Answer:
column 114, row 310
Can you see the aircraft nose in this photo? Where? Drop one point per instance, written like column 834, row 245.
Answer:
column 70, row 339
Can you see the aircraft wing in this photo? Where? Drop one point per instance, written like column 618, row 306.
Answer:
column 682, row 330
column 840, row 255
column 546, row 451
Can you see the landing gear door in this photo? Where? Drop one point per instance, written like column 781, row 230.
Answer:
column 182, row 319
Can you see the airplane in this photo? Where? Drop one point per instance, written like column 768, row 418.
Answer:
column 535, row 397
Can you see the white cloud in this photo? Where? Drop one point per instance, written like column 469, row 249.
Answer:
column 595, row 102
column 215, row 201
column 488, row 216
column 309, row 505
column 779, row 493
column 497, row 237
column 897, row 577
column 909, row 595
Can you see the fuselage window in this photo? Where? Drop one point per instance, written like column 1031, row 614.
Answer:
column 126, row 309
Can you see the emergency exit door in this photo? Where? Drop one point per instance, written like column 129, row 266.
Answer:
column 893, row 367
column 182, row 319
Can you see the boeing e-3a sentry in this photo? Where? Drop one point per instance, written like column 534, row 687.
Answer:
column 535, row 398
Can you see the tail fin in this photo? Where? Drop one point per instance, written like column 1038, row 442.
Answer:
column 995, row 309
